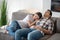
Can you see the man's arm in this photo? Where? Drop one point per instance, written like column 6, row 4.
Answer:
column 44, row 30
column 49, row 29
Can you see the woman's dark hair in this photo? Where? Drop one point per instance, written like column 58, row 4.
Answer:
column 50, row 12
column 39, row 14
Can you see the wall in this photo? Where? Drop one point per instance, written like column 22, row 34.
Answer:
column 46, row 5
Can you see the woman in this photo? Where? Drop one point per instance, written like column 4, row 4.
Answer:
column 28, row 21
column 42, row 27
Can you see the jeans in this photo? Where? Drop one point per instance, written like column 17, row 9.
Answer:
column 30, row 34
column 12, row 28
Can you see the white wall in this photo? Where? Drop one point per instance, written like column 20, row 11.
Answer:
column 46, row 5
column 56, row 14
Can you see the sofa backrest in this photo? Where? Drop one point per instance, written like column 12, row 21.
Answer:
column 19, row 15
column 55, row 25
column 58, row 25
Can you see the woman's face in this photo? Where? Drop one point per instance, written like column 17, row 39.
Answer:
column 47, row 14
column 35, row 17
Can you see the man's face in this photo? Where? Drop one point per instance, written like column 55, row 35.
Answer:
column 47, row 14
column 35, row 17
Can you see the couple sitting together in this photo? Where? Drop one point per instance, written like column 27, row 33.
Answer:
column 32, row 27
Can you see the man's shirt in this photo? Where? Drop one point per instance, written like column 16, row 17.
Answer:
column 45, row 23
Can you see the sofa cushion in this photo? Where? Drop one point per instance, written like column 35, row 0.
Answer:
column 4, row 36
column 58, row 25
column 56, row 36
column 45, row 37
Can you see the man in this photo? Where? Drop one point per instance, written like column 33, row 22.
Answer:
column 44, row 26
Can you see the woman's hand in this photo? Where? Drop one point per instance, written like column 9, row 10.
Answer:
column 31, row 23
column 33, row 26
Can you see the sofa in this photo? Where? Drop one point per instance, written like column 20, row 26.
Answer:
column 19, row 15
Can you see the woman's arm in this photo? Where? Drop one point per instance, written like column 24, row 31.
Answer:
column 31, row 23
